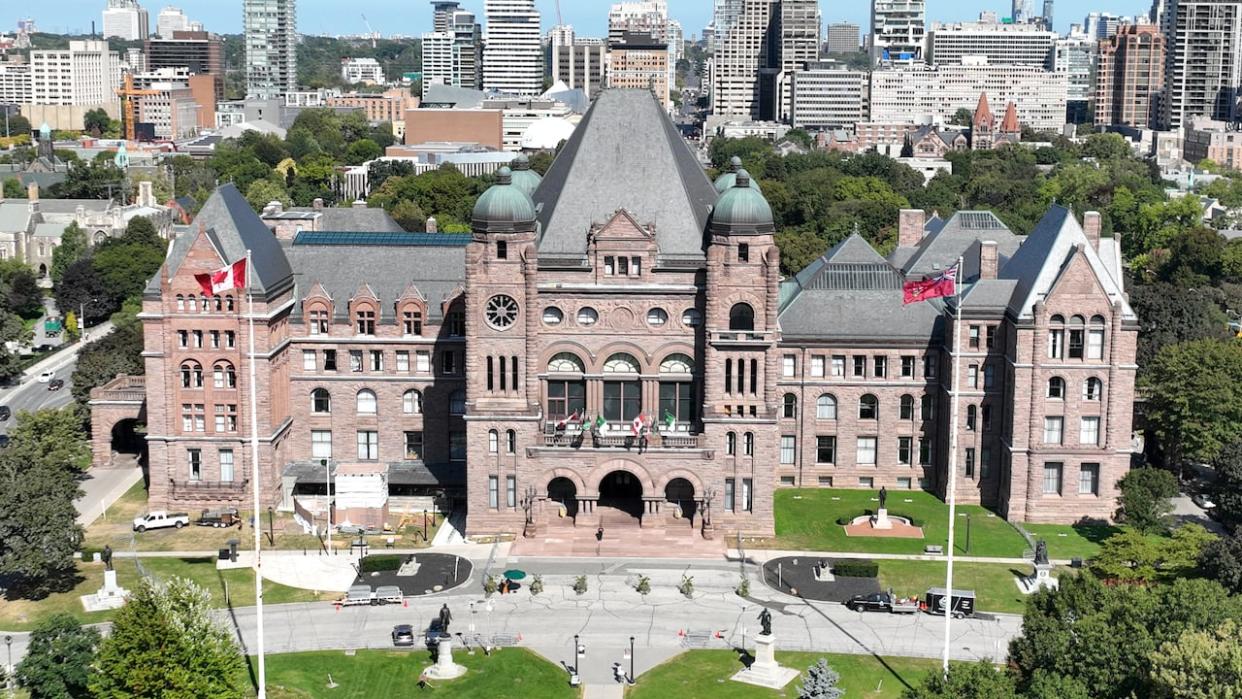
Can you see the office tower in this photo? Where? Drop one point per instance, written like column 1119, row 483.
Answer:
column 897, row 30
column 1102, row 25
column 125, row 19
column 1077, row 55
column 200, row 52
column 842, row 37
column 270, row 30
column 1130, row 76
column 366, row 71
column 827, row 95
column 742, row 53
column 797, row 39
column 171, row 19
column 453, row 53
column 1002, row 43
column 917, row 93
column 85, row 74
column 639, row 61
column 442, row 14
column 580, row 65
column 1047, row 14
column 561, row 35
column 1202, row 69
column 513, row 48
column 724, row 15
column 14, row 80
column 648, row 17
column 1023, row 10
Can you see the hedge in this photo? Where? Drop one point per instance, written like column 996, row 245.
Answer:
column 378, row 564
column 843, row 521
column 856, row 568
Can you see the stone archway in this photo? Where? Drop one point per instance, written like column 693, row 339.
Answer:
column 680, row 492
column 564, row 492
column 622, row 491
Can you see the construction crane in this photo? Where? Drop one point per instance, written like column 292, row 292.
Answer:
column 558, row 13
column 129, row 111
column 370, row 30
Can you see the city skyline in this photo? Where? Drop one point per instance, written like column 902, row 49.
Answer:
column 589, row 17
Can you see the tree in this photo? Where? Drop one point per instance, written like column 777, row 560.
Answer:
column 1146, row 499
column 12, row 329
column 1169, row 314
column 13, row 189
column 100, row 361
column 360, row 152
column 54, row 438
column 1194, row 402
column 1133, row 556
column 263, row 192
column 409, row 216
column 73, row 247
column 19, row 125
column 1227, row 489
column 1195, row 258
column 962, row 117
column 820, row 682
column 93, row 180
column 1221, row 561
column 1200, row 664
column 96, row 122
column 1049, row 685
column 126, row 264
column 978, row 680
column 58, row 659
column 83, row 288
column 22, row 294
column 165, row 644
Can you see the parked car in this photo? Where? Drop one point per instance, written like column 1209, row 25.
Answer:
column 56, row 384
column 5, row 412
column 403, row 635
column 227, row 517
column 161, row 520
column 1203, row 500
column 882, row 602
column 47, row 376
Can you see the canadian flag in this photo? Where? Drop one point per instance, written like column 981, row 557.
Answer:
column 638, row 424
column 571, row 419
column 229, row 277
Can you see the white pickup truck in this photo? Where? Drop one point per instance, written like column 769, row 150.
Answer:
column 161, row 520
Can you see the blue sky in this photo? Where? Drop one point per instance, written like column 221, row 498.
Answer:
column 589, row 17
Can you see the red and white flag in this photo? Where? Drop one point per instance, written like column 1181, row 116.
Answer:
column 638, row 425
column 943, row 284
column 229, row 277
column 571, row 419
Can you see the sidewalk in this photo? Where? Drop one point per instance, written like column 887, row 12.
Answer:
column 103, row 487
column 764, row 555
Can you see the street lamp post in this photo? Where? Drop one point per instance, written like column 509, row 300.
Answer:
column 424, row 524
column 967, row 532
column 576, row 654
column 271, row 527
column 327, row 472
column 631, row 660
column 8, row 681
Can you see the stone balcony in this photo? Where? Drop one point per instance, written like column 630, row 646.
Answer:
column 619, row 436
column 209, row 491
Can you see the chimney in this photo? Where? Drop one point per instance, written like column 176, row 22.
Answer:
column 432, row 225
column 273, row 208
column 1091, row 226
column 146, row 193
column 987, row 259
column 910, row 227
column 360, row 204
column 318, row 203
column 32, row 192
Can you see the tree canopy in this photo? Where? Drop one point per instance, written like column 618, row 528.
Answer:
column 58, row 660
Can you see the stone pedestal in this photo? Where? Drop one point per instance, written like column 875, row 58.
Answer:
column 765, row 671
column 445, row 668
column 110, row 596
column 823, row 573
column 880, row 520
column 1040, row 578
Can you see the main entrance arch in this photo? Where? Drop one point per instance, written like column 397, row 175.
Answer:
column 680, row 492
column 622, row 490
column 562, row 491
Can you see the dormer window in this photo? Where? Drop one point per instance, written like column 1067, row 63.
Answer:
column 366, row 321
column 412, row 321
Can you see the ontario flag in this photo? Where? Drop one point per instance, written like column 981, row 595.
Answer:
column 943, row 284
column 228, row 277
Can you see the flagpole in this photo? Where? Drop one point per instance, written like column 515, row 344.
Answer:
column 254, row 481
column 952, row 467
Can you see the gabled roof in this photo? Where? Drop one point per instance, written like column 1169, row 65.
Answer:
column 234, row 227
column 350, row 218
column 944, row 243
column 625, row 153
column 1044, row 255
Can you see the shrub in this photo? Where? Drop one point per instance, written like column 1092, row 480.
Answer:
column 743, row 587
column 580, row 584
column 490, row 585
column 536, row 585
column 379, row 564
column 687, row 585
column 644, row 585
column 856, row 568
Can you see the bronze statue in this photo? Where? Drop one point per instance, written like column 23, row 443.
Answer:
column 1041, row 552
column 446, row 618
column 765, row 621
column 106, row 557
column 883, row 497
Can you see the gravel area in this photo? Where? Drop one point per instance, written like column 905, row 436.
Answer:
column 798, row 573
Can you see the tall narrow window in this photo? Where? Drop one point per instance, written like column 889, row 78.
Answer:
column 366, row 322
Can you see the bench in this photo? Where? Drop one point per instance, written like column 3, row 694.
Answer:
column 934, row 549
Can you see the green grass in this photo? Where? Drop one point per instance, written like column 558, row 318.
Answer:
column 995, row 586
column 806, row 519
column 1072, row 540
column 705, row 674
column 509, row 672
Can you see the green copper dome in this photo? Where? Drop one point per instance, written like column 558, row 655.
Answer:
column 726, row 181
column 742, row 210
column 504, row 207
column 524, row 178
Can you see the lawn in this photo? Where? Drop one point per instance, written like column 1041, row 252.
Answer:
column 995, row 586
column 1072, row 540
column 705, row 674
column 116, row 530
column 806, row 520
column 509, row 672
column 21, row 615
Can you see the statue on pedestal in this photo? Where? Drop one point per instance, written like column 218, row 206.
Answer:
column 765, row 621
column 1041, row 552
column 106, row 557
column 883, row 497
column 446, row 618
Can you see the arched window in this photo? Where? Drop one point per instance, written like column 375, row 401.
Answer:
column 204, row 304
column 565, row 363
column 621, row 363
column 180, row 302
column 972, row 417
column 741, row 317
column 1057, row 319
column 677, row 364
column 510, row 441
column 1097, row 320
column 191, row 375
column 789, row 406
column 224, row 376
column 748, row 444
column 321, row 401
column 493, row 442
column 412, row 402
column 731, row 443
column 228, row 303
column 1077, row 320
column 1092, row 389
column 367, row 404
column 457, row 402
column 219, row 302
column 826, row 407
column 1056, row 388
column 868, row 407
column 907, row 407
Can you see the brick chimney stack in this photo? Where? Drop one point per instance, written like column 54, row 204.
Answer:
column 987, row 259
column 1091, row 224
column 32, row 192
column 910, row 224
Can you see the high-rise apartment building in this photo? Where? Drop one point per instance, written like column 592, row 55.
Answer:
column 1130, row 76
column 270, row 29
column 580, row 65
column 125, row 19
column 454, row 56
column 367, row 71
column 827, row 95
column 171, row 19
column 1023, row 11
column 649, row 17
column 1077, row 55
column 1203, row 60
column 513, row 48
column 842, row 38
column 640, row 61
column 1002, row 43
column 200, row 52
column 797, row 31
column 918, row 93
column 561, row 35
column 754, row 60
column 1103, row 25
column 14, row 80
column 898, row 30
column 442, row 14
column 86, row 73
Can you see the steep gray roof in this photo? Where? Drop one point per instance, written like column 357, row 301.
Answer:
column 70, row 206
column 944, row 243
column 436, row 271
column 234, row 227
column 459, row 97
column 626, row 154
column 1043, row 257
column 354, row 219
column 14, row 216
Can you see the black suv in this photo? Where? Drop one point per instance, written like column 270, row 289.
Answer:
column 874, row 602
